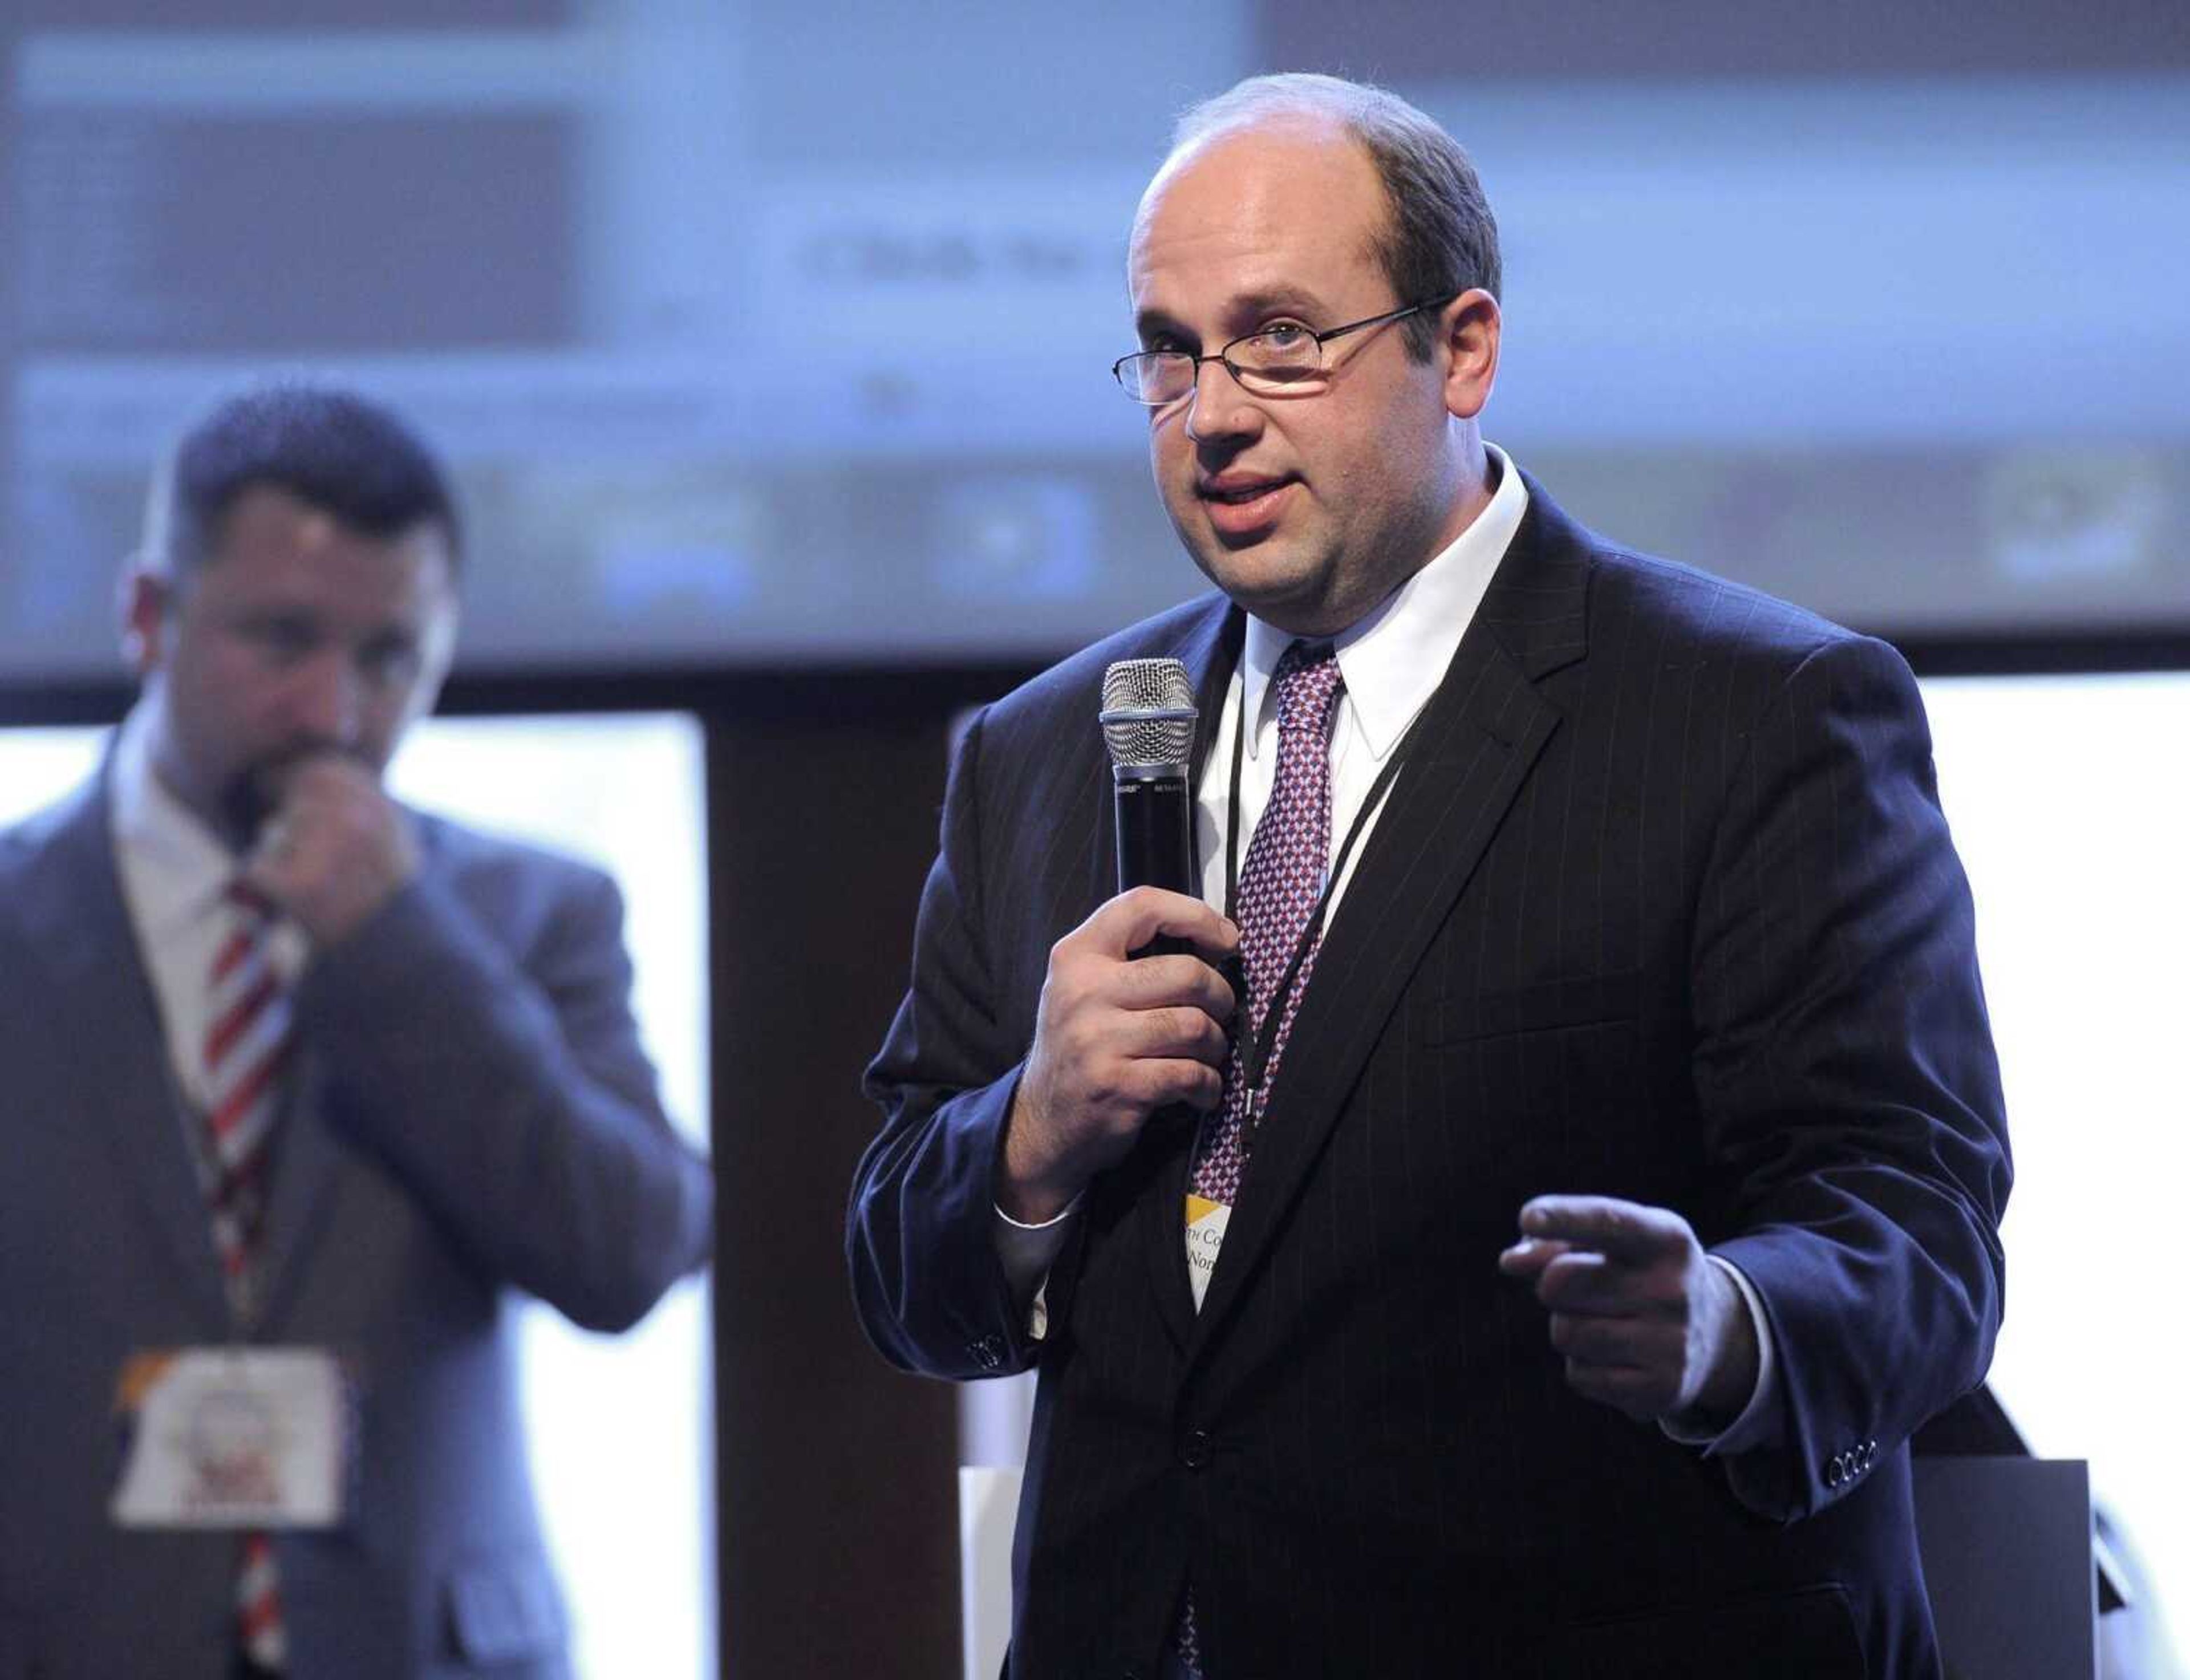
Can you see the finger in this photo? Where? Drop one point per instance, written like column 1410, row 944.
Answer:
column 334, row 757
column 1133, row 918
column 271, row 873
column 1158, row 982
column 277, row 837
column 321, row 771
column 1624, row 1230
column 1529, row 1257
column 1583, row 1280
column 1153, row 1084
column 1613, row 1343
column 335, row 787
column 310, row 826
column 273, row 847
column 1182, row 1033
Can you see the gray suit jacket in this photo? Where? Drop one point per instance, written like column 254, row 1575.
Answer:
column 472, row 1115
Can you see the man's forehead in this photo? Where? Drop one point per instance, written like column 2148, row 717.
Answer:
column 1255, row 201
column 274, row 530
column 1264, row 152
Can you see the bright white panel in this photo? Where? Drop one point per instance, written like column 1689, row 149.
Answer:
column 2071, row 808
column 621, row 1427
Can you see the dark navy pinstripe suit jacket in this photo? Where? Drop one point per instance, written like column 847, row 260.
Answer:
column 1664, row 907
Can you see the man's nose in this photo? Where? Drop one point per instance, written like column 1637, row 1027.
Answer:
column 325, row 700
column 1219, row 407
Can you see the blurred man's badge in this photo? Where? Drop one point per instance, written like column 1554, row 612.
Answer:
column 232, row 1437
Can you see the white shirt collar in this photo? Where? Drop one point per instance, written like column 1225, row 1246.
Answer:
column 1394, row 658
column 173, row 868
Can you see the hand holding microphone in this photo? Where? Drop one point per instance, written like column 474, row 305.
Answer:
column 1133, row 1009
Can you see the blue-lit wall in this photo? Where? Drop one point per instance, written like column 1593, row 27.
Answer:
column 772, row 331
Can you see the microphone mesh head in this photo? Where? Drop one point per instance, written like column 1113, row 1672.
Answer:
column 1147, row 711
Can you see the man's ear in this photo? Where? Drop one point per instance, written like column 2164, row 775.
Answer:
column 1467, row 329
column 147, row 599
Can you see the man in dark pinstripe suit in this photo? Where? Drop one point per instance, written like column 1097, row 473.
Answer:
column 1652, row 943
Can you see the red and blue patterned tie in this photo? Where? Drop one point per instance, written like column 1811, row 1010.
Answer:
column 1278, row 887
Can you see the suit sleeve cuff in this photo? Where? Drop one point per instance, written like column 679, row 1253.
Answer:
column 1757, row 1425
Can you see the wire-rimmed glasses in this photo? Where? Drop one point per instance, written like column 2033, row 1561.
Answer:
column 1278, row 360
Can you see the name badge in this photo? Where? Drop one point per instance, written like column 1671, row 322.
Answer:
column 232, row 1437
column 1206, row 1221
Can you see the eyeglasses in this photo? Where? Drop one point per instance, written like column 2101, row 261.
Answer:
column 1278, row 360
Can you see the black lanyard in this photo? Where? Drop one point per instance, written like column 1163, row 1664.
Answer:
column 1255, row 1058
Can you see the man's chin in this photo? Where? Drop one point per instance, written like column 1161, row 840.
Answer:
column 1268, row 580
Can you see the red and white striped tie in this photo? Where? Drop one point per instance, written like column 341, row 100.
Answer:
column 247, row 1050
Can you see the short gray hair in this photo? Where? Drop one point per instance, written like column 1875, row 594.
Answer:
column 1441, row 239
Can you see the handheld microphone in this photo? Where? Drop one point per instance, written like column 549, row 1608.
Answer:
column 1148, row 719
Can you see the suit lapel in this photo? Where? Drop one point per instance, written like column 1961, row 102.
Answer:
column 1479, row 737
column 76, row 915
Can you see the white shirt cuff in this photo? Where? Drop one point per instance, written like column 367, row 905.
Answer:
column 1758, row 1426
column 1028, row 1251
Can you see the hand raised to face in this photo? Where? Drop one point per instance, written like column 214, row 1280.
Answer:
column 335, row 849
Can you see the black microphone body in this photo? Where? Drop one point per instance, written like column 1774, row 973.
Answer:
column 1147, row 721
column 1156, row 842
column 1155, row 834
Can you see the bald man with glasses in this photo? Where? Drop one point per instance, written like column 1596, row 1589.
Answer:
column 1516, row 1229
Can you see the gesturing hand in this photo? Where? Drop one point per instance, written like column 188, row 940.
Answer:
column 1647, row 1322
column 1114, row 1041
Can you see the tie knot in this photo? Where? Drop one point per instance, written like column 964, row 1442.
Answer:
column 1308, row 682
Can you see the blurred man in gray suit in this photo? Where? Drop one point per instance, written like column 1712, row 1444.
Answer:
column 298, row 1090
column 1534, row 1264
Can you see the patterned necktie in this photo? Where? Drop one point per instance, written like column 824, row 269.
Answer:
column 1278, row 887
column 247, row 1050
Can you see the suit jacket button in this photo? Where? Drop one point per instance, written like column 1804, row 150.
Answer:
column 1835, row 1471
column 1193, row 1450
